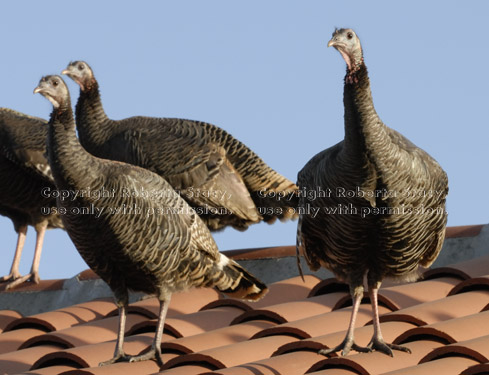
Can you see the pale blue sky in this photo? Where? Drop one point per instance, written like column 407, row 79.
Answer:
column 261, row 70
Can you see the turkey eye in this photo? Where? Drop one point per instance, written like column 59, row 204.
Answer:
column 349, row 35
column 81, row 67
column 55, row 83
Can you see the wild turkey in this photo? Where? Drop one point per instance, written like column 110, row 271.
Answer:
column 380, row 206
column 26, row 185
column 227, row 183
column 133, row 230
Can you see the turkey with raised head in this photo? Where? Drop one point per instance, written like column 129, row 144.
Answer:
column 226, row 182
column 132, row 228
column 26, row 185
column 381, row 213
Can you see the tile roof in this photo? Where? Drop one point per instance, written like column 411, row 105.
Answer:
column 443, row 319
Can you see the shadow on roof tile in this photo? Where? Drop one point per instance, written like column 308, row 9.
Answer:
column 233, row 355
column 53, row 370
column 476, row 349
column 295, row 310
column 463, row 270
column 136, row 368
column 376, row 362
column 442, row 309
column 478, row 369
column 13, row 340
column 84, row 334
column 322, row 324
column 452, row 330
column 7, row 317
column 65, row 317
column 390, row 331
column 444, row 366
column 291, row 364
column 475, row 283
column 181, row 303
column 219, row 337
column 22, row 360
column 91, row 355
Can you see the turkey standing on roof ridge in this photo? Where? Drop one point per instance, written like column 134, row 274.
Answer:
column 24, row 173
column 394, row 220
column 193, row 156
column 153, row 244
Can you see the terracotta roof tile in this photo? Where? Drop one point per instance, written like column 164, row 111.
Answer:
column 479, row 369
column 445, row 366
column 7, row 317
column 443, row 318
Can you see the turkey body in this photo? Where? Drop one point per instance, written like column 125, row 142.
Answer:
column 218, row 175
column 382, row 211
column 131, row 227
column 25, row 174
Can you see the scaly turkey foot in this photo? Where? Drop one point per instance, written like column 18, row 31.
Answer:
column 121, row 357
column 11, row 276
column 381, row 346
column 151, row 354
column 345, row 348
column 34, row 277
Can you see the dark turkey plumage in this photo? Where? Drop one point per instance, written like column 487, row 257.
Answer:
column 380, row 200
column 133, row 230
column 24, row 175
column 227, row 183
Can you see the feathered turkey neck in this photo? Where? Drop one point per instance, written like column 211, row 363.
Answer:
column 89, row 110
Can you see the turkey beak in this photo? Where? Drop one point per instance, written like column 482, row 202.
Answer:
column 38, row 89
column 66, row 72
column 331, row 43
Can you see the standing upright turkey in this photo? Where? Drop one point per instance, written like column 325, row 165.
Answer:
column 134, row 231
column 218, row 175
column 24, row 173
column 391, row 195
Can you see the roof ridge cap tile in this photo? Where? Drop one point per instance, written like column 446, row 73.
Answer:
column 467, row 348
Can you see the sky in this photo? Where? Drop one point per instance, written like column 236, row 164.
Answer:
column 262, row 71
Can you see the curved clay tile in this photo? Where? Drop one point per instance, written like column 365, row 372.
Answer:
column 233, row 355
column 471, row 268
column 376, row 362
column 219, row 337
column 202, row 321
column 227, row 302
column 337, row 363
column 444, row 366
column 329, row 285
column 346, row 301
column 452, row 330
column 92, row 355
column 51, row 370
column 475, row 283
column 181, row 303
column 292, row 289
column 442, row 309
column 477, row 349
column 295, row 310
column 84, row 334
column 362, row 336
column 323, row 324
column 22, row 360
column 7, row 317
column 410, row 294
column 478, row 369
column 65, row 317
column 136, row 368
column 289, row 364
column 13, row 340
